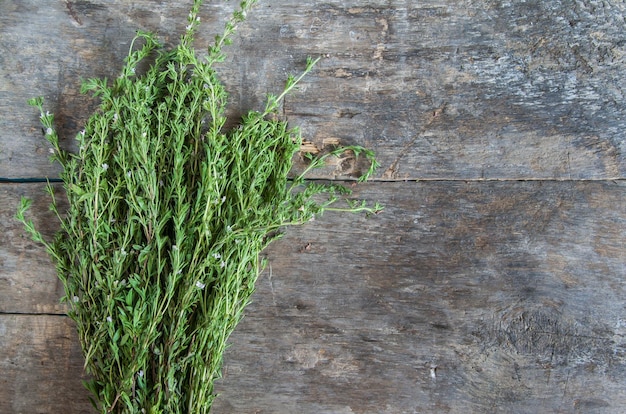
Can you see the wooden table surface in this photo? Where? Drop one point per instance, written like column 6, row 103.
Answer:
column 494, row 281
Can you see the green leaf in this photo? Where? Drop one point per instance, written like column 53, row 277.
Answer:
column 129, row 298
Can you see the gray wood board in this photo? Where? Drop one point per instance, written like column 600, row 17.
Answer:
column 512, row 293
column 41, row 365
column 440, row 89
column 459, row 297
column 28, row 282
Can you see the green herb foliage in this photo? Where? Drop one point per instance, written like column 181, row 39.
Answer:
column 159, row 247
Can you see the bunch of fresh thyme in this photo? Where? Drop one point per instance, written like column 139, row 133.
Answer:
column 159, row 248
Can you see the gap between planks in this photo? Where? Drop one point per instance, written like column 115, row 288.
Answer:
column 4, row 180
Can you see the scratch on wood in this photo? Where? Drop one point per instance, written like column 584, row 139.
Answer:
column 70, row 10
column 391, row 172
column 272, row 288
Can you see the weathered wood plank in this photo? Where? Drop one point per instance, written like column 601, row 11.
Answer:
column 41, row 365
column 28, row 282
column 512, row 294
column 460, row 297
column 440, row 89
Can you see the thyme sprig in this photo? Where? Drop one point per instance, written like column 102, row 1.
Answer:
column 159, row 248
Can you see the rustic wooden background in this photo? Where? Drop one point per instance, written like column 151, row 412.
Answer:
column 494, row 281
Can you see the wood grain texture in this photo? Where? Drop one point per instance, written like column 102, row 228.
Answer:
column 460, row 297
column 28, row 282
column 440, row 89
column 41, row 365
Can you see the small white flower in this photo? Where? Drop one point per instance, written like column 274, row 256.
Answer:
column 51, row 150
column 179, row 271
column 223, row 199
column 217, row 255
column 109, row 319
column 237, row 241
column 174, row 247
column 128, row 174
column 49, row 131
column 144, row 134
column 229, row 229
column 222, row 264
column 105, row 166
column 75, row 299
column 132, row 70
column 123, row 252
column 200, row 285
column 82, row 132
column 188, row 27
column 115, row 116
column 140, row 373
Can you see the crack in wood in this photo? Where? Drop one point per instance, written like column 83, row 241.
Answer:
column 73, row 14
column 392, row 171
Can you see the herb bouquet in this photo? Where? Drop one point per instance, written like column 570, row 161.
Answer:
column 167, row 214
